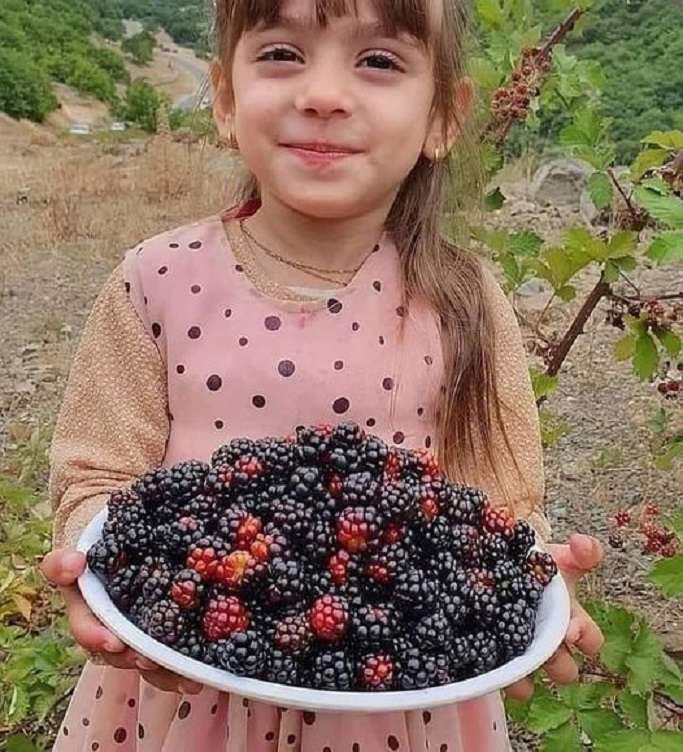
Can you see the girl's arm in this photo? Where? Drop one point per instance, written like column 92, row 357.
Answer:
column 113, row 423
column 520, row 417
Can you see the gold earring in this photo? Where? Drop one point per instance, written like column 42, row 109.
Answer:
column 230, row 139
column 439, row 153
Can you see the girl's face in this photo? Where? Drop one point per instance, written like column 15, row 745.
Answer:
column 349, row 90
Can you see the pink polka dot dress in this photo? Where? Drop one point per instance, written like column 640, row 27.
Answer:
column 240, row 362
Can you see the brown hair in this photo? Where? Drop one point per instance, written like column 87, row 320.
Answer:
column 448, row 277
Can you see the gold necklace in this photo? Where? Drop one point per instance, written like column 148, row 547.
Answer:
column 314, row 271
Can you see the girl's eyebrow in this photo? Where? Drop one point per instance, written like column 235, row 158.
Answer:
column 359, row 30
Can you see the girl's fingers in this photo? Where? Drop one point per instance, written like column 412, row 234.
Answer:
column 170, row 682
column 127, row 659
column 562, row 668
column 522, row 691
column 584, row 634
column 63, row 567
column 86, row 629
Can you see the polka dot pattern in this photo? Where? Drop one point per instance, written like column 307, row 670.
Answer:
column 214, row 382
column 184, row 709
column 120, row 735
column 341, row 405
column 393, row 743
column 286, row 368
column 273, row 323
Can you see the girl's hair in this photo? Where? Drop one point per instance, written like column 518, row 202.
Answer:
column 448, row 277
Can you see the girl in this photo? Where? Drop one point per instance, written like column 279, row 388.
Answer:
column 326, row 294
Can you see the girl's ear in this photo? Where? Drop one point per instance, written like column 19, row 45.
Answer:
column 463, row 99
column 223, row 111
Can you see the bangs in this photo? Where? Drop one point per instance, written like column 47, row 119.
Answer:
column 396, row 16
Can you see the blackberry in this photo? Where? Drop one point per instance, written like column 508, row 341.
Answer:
column 282, row 668
column 525, row 586
column 416, row 669
column 204, row 509
column 106, row 556
column 164, row 621
column 466, row 544
column 523, row 538
column 187, row 588
column 121, row 497
column 398, row 499
column 151, row 487
column 124, row 587
column 465, row 505
column 313, row 443
column 268, row 544
column 358, row 529
column 279, row 456
column 375, row 672
column 306, row 484
column 155, row 577
column 238, row 570
column 343, row 460
column 329, row 618
column 341, row 565
column 239, row 527
column 505, row 574
column 454, row 607
column 132, row 525
column 228, row 454
column 482, row 596
column 413, row 589
column 348, row 435
column 319, row 582
column 292, row 516
column 218, row 483
column 386, row 563
column 428, row 505
column 360, row 490
column 185, row 481
column 192, row 644
column 373, row 625
column 241, row 653
column 542, row 566
column 515, row 628
column 205, row 556
column 331, row 669
column 293, row 633
column 320, row 540
column 436, row 534
column 286, row 581
column 498, row 521
column 175, row 538
column 494, row 548
column 474, row 653
column 433, row 631
column 249, row 474
column 373, row 455
column 224, row 615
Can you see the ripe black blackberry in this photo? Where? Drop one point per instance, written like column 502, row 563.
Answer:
column 241, row 653
column 414, row 589
column 313, row 443
column 343, row 460
column 286, row 582
column 306, row 484
column 433, row 631
column 416, row 669
column 523, row 538
column 505, row 573
column 124, row 587
column 527, row 587
column 454, row 606
column 466, row 545
column 515, row 628
column 186, row 480
column 132, row 524
column 465, row 505
column 483, row 598
column 165, row 621
column 218, row 483
column 384, row 565
column 292, row 516
column 120, row 497
column 360, row 490
column 155, row 577
column 192, row 643
column 228, row 454
column 373, row 455
column 374, row 626
column 331, row 669
column 292, row 634
column 494, row 548
column 278, row 456
column 282, row 668
column 203, row 508
column 319, row 541
column 474, row 653
column 175, row 538
column 436, row 534
column 319, row 581
column 106, row 556
column 348, row 434
column 151, row 487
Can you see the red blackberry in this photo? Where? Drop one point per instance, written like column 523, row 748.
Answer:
column 373, row 625
column 331, row 669
column 239, row 527
column 155, row 577
column 249, row 470
column 124, row 587
column 414, row 589
column 106, row 556
column 241, row 653
column 498, row 521
column 164, row 621
column 286, row 581
column 187, row 588
column 205, row 556
column 428, row 466
column 515, row 628
column 375, row 672
column 341, row 565
column 282, row 668
column 464, row 505
column 293, row 633
column 360, row 490
column 394, row 465
column 542, row 566
column 523, row 538
column 373, row 455
column 329, row 618
column 358, row 529
column 238, row 569
column 432, row 631
column 224, row 614
column 268, row 544
column 428, row 507
column 383, row 566
column 396, row 532
column 622, row 518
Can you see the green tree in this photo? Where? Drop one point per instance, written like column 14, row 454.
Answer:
column 140, row 47
column 142, row 105
column 25, row 90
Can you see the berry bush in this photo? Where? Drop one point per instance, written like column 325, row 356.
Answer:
column 327, row 560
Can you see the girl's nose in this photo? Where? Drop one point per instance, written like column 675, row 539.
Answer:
column 324, row 93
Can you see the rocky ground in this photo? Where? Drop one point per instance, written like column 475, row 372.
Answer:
column 602, row 464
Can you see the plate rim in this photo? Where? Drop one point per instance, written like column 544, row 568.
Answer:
column 98, row 600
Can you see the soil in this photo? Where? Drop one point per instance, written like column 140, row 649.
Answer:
column 602, row 464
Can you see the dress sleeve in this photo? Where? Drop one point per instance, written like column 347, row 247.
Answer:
column 113, row 422
column 520, row 418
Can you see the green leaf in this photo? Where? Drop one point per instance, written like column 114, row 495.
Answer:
column 665, row 741
column 488, row 75
column 647, row 160
column 20, row 743
column 623, row 243
column 597, row 722
column 634, row 708
column 670, row 342
column 666, row 248
column 644, row 662
column 667, row 575
column 617, row 627
column 672, row 140
column 518, row 711
column 676, row 521
column 525, row 243
column 646, row 357
column 584, row 696
column 600, row 189
column 672, row 451
column 625, row 347
column 494, row 200
column 565, row 738
column 490, row 12
column 665, row 209
column 625, row 263
column 567, row 293
column 547, row 713
column 622, row 741
column 542, row 384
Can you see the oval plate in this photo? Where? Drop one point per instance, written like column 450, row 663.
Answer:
column 552, row 621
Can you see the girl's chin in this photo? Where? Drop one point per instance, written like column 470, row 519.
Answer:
column 324, row 204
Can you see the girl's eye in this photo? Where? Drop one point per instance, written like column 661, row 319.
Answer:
column 279, row 55
column 381, row 61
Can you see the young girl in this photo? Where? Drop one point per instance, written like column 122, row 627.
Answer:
column 326, row 294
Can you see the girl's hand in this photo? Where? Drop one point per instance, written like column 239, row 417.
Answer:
column 62, row 568
column 574, row 560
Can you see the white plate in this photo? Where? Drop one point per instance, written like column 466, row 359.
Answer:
column 551, row 626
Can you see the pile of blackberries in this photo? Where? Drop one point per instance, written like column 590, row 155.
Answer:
column 327, row 560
